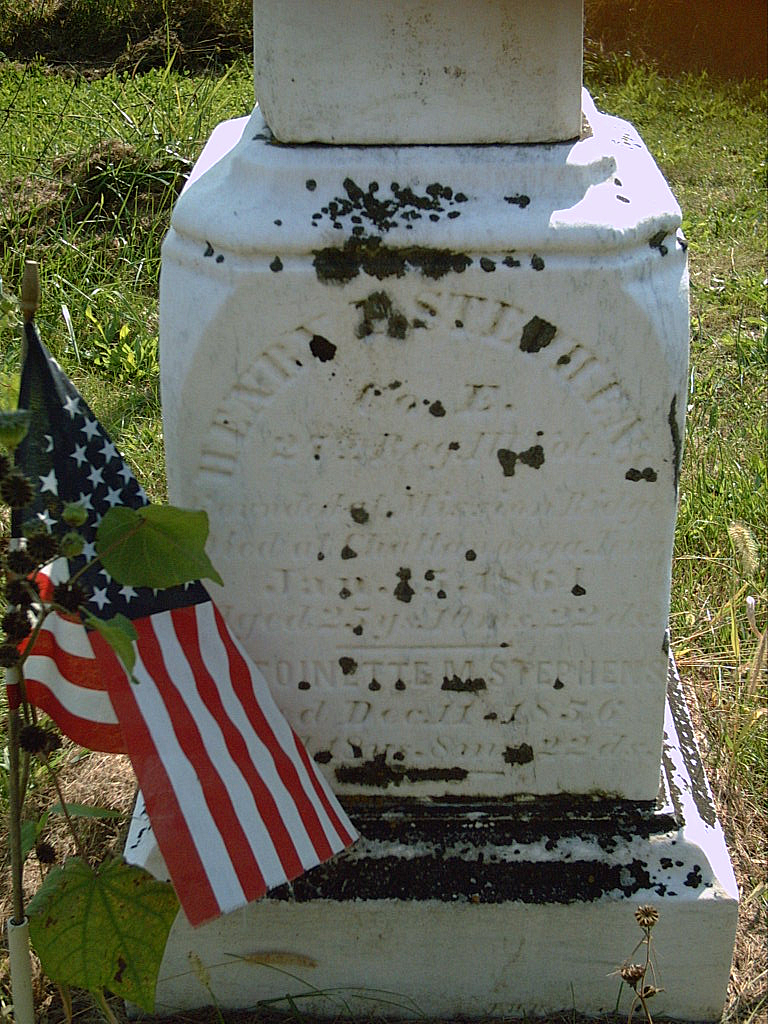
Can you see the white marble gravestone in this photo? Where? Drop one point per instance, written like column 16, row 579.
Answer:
column 432, row 398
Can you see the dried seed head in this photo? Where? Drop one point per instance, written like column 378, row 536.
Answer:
column 745, row 546
column 16, row 490
column 69, row 595
column 9, row 655
column 632, row 974
column 647, row 915
column 5, row 465
column 20, row 562
column 16, row 625
column 19, row 592
column 42, row 547
column 36, row 740
column 45, row 852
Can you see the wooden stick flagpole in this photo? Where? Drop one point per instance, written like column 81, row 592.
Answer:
column 18, row 925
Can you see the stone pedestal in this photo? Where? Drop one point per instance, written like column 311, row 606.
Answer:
column 432, row 398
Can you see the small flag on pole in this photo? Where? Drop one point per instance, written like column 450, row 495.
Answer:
column 235, row 802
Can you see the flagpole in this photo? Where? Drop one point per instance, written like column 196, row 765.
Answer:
column 18, row 926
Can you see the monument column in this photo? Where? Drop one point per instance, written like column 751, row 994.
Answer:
column 424, row 350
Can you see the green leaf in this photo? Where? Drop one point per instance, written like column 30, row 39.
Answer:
column 30, row 830
column 155, row 546
column 103, row 928
column 120, row 634
column 87, row 811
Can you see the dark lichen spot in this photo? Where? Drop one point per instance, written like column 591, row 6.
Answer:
column 454, row 214
column 510, row 261
column 374, row 685
column 311, row 184
column 470, row 555
column 220, row 258
column 278, row 223
column 558, row 684
column 537, row 262
column 657, row 242
column 404, row 591
column 394, row 385
column 368, row 254
column 322, row 756
column 456, row 684
column 693, row 879
column 490, row 717
column 429, row 574
column 321, row 348
column 645, row 474
column 487, row 265
column 347, row 552
column 437, row 409
column 622, row 199
column 398, row 756
column 397, row 326
column 276, row 265
column 320, row 556
column 533, row 456
column 454, row 446
column 519, row 755
column 518, row 200
column 563, row 360
column 348, row 666
column 400, row 685
column 359, row 514
column 208, row 249
column 460, row 197
column 357, row 630
column 303, row 684
column 677, row 443
column 344, row 593
column 440, row 595
column 537, row 334
column 578, row 591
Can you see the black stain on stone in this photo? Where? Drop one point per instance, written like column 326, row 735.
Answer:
column 578, row 591
column 644, row 474
column 511, row 262
column 622, row 199
column 437, row 409
column 220, row 258
column 303, row 684
column 400, row 685
column 456, row 684
column 657, row 242
column 558, row 684
column 347, row 552
column 537, row 262
column 490, row 717
column 563, row 360
column 470, row 555
column 374, row 685
column 404, row 591
column 677, row 442
column 518, row 200
column 429, row 574
column 356, row 751
column 278, row 223
column 310, row 184
column 368, row 254
column 321, row 348
column 276, row 265
column 208, row 249
column 359, row 514
column 380, row 774
column 454, row 446
column 519, row 755
column 693, row 879
column 357, row 630
column 320, row 556
column 348, row 666
column 440, row 595
column 537, row 334
column 487, row 265
column 322, row 756
column 533, row 457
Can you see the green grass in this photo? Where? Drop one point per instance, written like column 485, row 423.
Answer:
column 90, row 165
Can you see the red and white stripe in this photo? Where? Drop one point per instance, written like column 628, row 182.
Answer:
column 235, row 803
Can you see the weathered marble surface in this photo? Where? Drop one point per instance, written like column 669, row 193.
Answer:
column 433, row 400
column 415, row 71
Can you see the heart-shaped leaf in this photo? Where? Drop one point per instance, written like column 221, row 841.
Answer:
column 155, row 546
column 103, row 928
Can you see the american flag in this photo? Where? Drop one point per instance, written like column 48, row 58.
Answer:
column 235, row 803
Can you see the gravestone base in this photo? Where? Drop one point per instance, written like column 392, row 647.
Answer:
column 493, row 908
